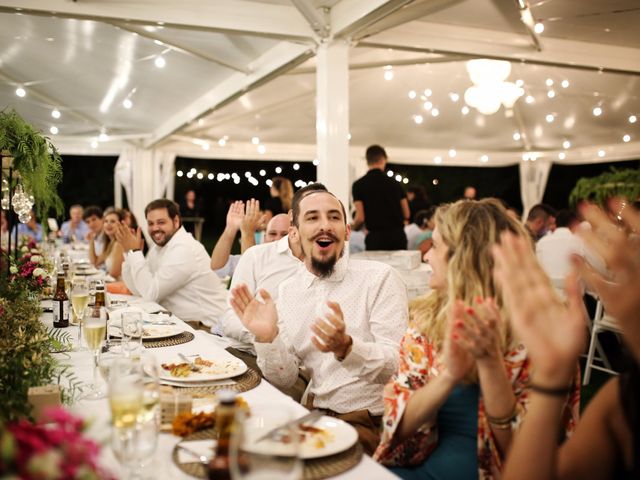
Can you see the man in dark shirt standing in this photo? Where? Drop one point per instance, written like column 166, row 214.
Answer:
column 381, row 204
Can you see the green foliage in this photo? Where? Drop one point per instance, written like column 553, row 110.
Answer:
column 35, row 158
column 615, row 183
column 26, row 358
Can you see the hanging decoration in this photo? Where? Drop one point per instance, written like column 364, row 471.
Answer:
column 490, row 90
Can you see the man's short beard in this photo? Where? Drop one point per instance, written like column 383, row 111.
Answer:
column 324, row 269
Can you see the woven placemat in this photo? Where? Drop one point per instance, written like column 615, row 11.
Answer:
column 314, row 469
column 183, row 337
column 247, row 381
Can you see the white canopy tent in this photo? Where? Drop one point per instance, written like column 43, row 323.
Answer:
column 322, row 79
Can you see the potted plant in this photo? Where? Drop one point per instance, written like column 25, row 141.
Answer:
column 35, row 158
column 614, row 183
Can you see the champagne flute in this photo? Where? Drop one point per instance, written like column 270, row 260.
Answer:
column 79, row 301
column 151, row 388
column 254, row 457
column 94, row 325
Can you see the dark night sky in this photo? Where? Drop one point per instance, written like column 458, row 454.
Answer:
column 89, row 180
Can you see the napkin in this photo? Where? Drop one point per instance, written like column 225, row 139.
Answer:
column 200, row 447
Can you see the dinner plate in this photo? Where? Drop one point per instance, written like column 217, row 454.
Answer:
column 334, row 436
column 221, row 369
column 150, row 332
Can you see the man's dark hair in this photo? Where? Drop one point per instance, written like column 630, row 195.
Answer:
column 552, row 212
column 565, row 218
column 91, row 211
column 305, row 192
column 538, row 211
column 173, row 209
column 374, row 154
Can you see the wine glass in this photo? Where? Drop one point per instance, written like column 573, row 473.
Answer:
column 256, row 453
column 94, row 325
column 79, row 301
column 151, row 388
column 132, row 332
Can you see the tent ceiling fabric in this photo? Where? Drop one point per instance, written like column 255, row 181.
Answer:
column 235, row 70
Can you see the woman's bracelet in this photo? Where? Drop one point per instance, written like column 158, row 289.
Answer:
column 503, row 423
column 551, row 391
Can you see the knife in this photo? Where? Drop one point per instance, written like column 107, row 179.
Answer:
column 309, row 418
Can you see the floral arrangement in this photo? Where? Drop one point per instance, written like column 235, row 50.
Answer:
column 53, row 450
column 30, row 270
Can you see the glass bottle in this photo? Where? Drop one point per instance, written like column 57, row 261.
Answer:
column 60, row 304
column 225, row 416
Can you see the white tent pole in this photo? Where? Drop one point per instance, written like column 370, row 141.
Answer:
column 332, row 118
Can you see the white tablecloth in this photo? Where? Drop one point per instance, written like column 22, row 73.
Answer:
column 97, row 411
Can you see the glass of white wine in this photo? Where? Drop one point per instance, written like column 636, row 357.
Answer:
column 79, row 301
column 94, row 325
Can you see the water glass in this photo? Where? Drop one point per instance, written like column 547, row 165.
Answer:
column 277, row 456
column 132, row 332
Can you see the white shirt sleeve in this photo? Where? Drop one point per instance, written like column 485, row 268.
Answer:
column 377, row 360
column 278, row 363
column 174, row 272
column 230, row 324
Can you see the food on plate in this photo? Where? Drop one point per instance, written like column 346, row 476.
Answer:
column 317, row 437
column 187, row 423
column 206, row 367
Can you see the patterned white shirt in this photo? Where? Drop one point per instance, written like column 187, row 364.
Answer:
column 373, row 300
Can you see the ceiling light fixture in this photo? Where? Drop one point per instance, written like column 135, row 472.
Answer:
column 55, row 113
column 490, row 90
column 597, row 111
column 160, row 62
column 21, row 92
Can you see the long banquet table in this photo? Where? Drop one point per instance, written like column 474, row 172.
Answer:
column 98, row 414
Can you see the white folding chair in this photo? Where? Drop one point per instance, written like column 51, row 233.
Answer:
column 601, row 322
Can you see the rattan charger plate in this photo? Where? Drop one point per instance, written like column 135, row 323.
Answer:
column 314, row 469
column 179, row 339
column 247, row 381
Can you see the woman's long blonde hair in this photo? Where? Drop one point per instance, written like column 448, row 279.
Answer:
column 469, row 229
column 285, row 191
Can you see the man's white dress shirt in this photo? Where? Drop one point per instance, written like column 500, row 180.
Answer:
column 178, row 276
column 554, row 252
column 373, row 300
column 261, row 266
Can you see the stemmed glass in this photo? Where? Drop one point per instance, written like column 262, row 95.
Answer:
column 132, row 332
column 79, row 301
column 256, row 452
column 94, row 325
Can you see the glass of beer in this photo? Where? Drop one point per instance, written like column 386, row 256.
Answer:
column 94, row 326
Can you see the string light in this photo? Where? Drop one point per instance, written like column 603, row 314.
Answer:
column 278, row 169
column 418, row 119
column 538, row 28
column 296, row 166
column 179, row 173
column 565, row 83
column 412, row 94
column 222, row 142
column 263, row 173
column 160, row 62
column 437, row 159
column 94, row 144
column 601, row 153
column 435, row 112
column 390, row 173
column 316, row 162
column 21, row 92
column 633, row 119
column 465, row 110
column 210, row 176
column 626, row 138
column 551, row 93
column 517, row 136
column 484, row 158
column 428, row 92
column 566, row 144
column 255, row 140
column 127, row 103
column 53, row 130
column 549, row 82
column 562, row 156
column 55, row 113
column 452, row 153
column 427, row 105
column 597, row 111
column 529, row 99
column 405, row 180
column 200, row 176
column 550, row 118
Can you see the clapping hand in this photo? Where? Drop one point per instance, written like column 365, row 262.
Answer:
column 253, row 220
column 235, row 215
column 330, row 332
column 457, row 361
column 260, row 318
column 478, row 330
column 127, row 238
column 553, row 333
column 620, row 249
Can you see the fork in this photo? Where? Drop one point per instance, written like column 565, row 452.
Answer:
column 194, row 367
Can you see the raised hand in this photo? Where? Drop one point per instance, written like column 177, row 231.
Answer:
column 455, row 358
column 330, row 332
column 252, row 219
column 127, row 238
column 479, row 331
column 260, row 318
column 620, row 249
column 235, row 215
column 553, row 333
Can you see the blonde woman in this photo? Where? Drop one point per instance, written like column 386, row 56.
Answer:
column 281, row 192
column 112, row 256
column 462, row 381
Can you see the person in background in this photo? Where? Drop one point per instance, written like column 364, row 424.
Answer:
column 469, row 193
column 414, row 230
column 281, row 194
column 131, row 221
column 380, row 204
column 32, row 229
column 462, row 386
column 424, row 240
column 112, row 255
column 606, row 443
column 247, row 221
column 417, row 197
column 92, row 216
column 176, row 272
column 537, row 223
column 74, row 229
column 339, row 317
column 190, row 208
